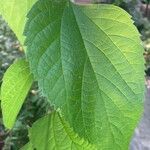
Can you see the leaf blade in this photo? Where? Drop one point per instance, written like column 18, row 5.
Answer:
column 16, row 84
column 55, row 133
column 28, row 146
column 94, row 65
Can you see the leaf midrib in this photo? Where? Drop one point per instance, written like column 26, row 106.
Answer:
column 107, row 116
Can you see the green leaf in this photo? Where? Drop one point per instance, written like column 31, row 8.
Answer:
column 52, row 132
column 28, row 146
column 0, row 94
column 16, row 84
column 14, row 12
column 88, row 61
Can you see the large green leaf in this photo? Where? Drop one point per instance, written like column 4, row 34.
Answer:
column 14, row 12
column 16, row 84
column 88, row 61
column 52, row 132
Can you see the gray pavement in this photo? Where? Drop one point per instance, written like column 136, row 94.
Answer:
column 141, row 139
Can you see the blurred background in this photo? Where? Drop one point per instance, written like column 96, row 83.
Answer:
column 36, row 106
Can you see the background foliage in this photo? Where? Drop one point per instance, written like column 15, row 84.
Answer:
column 34, row 107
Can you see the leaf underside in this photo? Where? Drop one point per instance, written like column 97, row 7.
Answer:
column 88, row 61
column 54, row 133
column 16, row 84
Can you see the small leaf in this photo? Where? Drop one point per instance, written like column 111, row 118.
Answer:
column 14, row 12
column 0, row 94
column 52, row 132
column 16, row 84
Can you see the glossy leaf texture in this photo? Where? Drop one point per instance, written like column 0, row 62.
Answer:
column 16, row 84
column 88, row 61
column 14, row 12
column 52, row 132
